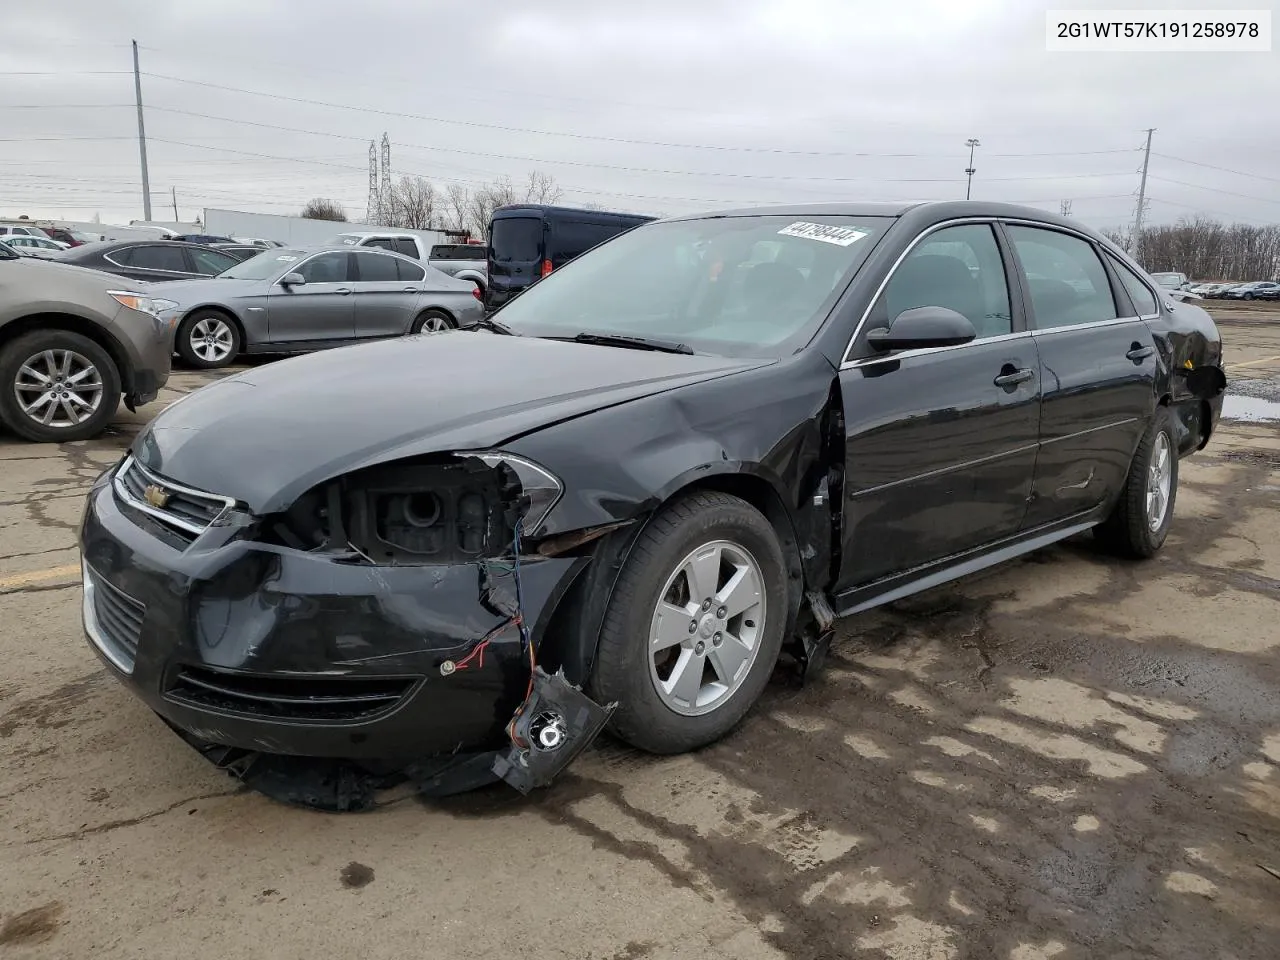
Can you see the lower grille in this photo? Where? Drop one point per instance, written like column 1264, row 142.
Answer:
column 341, row 699
column 114, row 619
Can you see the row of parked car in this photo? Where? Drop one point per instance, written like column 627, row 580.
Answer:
column 84, row 325
column 1248, row 290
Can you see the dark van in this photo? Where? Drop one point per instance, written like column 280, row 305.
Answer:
column 528, row 241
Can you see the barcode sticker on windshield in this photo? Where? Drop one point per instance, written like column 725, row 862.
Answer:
column 840, row 236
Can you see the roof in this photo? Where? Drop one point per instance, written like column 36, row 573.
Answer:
column 511, row 208
column 931, row 209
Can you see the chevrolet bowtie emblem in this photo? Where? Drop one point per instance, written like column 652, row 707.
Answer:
column 157, row 496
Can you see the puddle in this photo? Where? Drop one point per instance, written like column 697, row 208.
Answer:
column 1250, row 409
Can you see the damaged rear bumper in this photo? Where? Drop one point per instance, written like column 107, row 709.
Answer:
column 263, row 648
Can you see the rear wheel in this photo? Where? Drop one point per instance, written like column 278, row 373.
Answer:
column 694, row 626
column 56, row 385
column 208, row 339
column 432, row 321
column 1139, row 523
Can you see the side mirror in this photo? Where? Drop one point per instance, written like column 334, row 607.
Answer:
column 923, row 327
column 292, row 280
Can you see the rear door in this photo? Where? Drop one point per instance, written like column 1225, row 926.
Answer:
column 1098, row 366
column 321, row 309
column 940, row 442
column 516, row 250
column 385, row 304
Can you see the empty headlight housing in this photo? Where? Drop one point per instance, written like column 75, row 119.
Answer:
column 444, row 509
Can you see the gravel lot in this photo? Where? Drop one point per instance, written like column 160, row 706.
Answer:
column 1068, row 757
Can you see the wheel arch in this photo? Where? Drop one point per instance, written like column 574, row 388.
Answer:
column 74, row 324
column 569, row 631
column 226, row 312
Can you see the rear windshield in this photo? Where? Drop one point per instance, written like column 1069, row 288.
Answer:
column 736, row 286
column 516, row 239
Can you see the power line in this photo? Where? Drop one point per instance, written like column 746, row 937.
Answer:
column 1229, row 193
column 1210, row 166
column 1220, row 213
column 624, row 168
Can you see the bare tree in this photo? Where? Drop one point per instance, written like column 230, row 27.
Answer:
column 541, row 188
column 1207, row 249
column 412, row 203
column 320, row 208
column 485, row 200
column 456, row 204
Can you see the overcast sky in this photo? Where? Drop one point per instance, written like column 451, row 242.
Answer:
column 661, row 106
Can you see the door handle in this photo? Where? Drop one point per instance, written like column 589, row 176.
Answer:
column 343, row 291
column 1137, row 352
column 409, row 290
column 1011, row 376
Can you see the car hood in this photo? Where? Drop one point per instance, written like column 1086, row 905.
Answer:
column 267, row 435
column 187, row 292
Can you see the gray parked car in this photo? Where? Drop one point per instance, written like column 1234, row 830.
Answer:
column 466, row 261
column 293, row 301
column 72, row 341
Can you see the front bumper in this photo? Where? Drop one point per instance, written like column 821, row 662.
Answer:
column 269, row 649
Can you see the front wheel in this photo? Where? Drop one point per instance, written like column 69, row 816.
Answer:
column 56, row 385
column 1248, row 296
column 694, row 626
column 1139, row 522
column 208, row 339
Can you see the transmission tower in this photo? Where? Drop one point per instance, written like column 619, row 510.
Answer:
column 373, row 211
column 1065, row 208
column 385, row 206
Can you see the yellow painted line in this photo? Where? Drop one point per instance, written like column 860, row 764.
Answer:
column 38, row 576
column 1254, row 363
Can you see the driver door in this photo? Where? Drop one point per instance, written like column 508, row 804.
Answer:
column 323, row 308
column 940, row 442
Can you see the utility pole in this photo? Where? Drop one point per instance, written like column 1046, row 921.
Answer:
column 174, row 192
column 970, row 170
column 142, row 137
column 1142, row 199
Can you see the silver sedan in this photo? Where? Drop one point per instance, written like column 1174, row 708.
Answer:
column 293, row 301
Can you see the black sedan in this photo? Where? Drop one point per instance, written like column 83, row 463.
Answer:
column 636, row 487
column 152, row 260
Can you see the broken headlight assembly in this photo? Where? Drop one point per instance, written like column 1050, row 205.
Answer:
column 449, row 508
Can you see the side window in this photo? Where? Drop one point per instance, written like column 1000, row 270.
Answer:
column 160, row 258
column 384, row 243
column 123, row 256
column 326, row 268
column 210, row 263
column 1065, row 278
column 1143, row 299
column 376, row 268
column 410, row 272
column 406, row 246
column 959, row 268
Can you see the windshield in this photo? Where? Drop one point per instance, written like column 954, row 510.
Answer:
column 263, row 266
column 736, row 286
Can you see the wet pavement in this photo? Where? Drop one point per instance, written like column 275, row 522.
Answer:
column 1068, row 757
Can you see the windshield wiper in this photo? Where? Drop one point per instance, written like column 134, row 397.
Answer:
column 629, row 342
column 488, row 323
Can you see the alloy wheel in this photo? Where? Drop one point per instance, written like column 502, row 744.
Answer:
column 1159, row 481
column 58, row 388
column 706, row 629
column 211, row 339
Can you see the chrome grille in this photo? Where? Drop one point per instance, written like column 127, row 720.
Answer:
column 186, row 511
column 113, row 619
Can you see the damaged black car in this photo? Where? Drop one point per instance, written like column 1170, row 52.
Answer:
column 636, row 488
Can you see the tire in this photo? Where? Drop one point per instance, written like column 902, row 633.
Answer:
column 432, row 321
column 1248, row 296
column 1131, row 530
column 208, row 339
column 628, row 672
column 92, row 378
